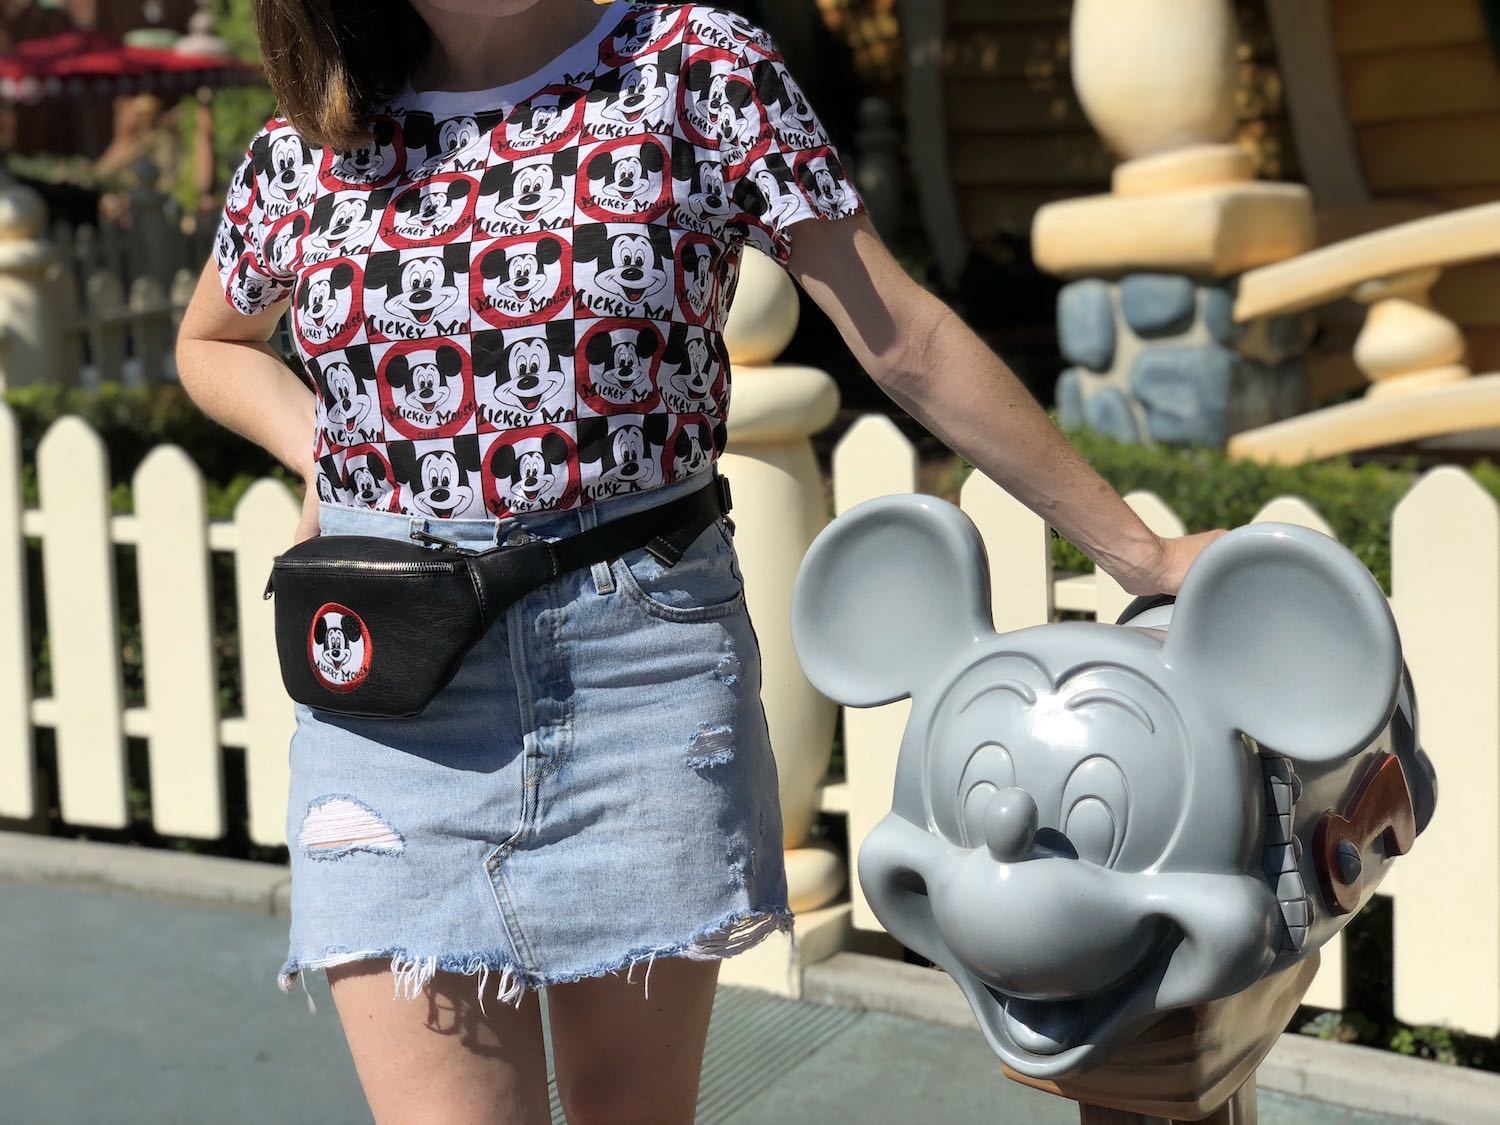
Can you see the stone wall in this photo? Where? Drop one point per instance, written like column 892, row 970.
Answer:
column 1157, row 357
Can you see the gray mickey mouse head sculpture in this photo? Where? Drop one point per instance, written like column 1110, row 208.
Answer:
column 1092, row 823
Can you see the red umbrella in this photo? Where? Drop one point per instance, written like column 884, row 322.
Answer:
column 91, row 62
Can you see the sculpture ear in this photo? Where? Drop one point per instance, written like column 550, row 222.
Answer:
column 887, row 595
column 1291, row 637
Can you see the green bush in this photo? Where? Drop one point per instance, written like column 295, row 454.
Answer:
column 1208, row 490
column 134, row 420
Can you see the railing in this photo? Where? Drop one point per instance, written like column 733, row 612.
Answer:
column 122, row 291
column 120, row 335
column 1445, row 574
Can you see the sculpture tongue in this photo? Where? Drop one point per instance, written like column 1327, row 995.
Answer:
column 1043, row 1027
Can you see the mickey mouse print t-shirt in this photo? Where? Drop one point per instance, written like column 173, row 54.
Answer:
column 512, row 300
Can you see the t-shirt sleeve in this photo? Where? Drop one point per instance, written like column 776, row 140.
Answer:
column 250, row 280
column 780, row 167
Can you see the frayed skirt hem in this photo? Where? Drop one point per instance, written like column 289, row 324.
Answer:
column 412, row 971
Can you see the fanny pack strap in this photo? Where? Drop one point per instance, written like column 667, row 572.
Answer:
column 503, row 575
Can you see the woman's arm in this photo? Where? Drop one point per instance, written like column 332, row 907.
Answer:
column 236, row 378
column 923, row 356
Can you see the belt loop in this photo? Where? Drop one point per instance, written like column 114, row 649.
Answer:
column 604, row 578
column 415, row 524
column 495, row 525
column 603, row 575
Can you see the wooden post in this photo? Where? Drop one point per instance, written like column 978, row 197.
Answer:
column 17, row 773
column 187, row 784
column 264, row 522
column 1193, row 1064
column 873, row 459
column 78, row 574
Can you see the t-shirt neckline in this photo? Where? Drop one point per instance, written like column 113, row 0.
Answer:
column 584, row 52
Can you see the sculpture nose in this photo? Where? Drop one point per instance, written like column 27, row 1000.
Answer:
column 1010, row 821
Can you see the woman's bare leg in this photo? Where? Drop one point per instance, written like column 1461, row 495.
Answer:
column 439, row 1058
column 622, row 1057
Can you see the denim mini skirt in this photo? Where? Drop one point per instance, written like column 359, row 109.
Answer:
column 593, row 790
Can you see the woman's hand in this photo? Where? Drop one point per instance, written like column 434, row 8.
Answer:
column 1163, row 573
column 307, row 525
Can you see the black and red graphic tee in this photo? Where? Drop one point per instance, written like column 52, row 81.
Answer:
column 512, row 299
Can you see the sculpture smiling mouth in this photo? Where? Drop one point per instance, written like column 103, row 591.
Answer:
column 1042, row 1027
column 1033, row 1036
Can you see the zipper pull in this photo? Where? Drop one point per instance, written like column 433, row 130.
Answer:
column 270, row 580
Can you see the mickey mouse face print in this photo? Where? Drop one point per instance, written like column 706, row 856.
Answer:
column 513, row 299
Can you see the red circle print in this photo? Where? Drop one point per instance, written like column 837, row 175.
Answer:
column 617, row 366
column 431, row 213
column 370, row 165
column 426, row 389
column 522, row 280
column 329, row 307
column 530, row 470
column 545, row 122
column 640, row 33
column 339, row 647
column 627, row 180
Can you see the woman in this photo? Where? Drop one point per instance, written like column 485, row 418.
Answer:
column 509, row 233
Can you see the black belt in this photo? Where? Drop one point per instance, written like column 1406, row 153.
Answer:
column 367, row 625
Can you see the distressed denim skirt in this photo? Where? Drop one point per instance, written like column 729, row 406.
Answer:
column 593, row 790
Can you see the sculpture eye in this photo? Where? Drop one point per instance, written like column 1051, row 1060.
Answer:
column 988, row 771
column 1096, row 803
column 1090, row 828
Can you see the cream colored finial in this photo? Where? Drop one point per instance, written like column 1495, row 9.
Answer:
column 1156, row 75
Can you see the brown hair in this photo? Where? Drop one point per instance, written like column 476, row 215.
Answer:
column 327, row 61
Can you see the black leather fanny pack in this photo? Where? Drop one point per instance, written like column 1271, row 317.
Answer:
column 372, row 626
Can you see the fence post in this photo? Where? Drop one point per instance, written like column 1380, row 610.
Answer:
column 177, row 626
column 184, row 284
column 1019, row 547
column 1327, row 988
column 87, row 257
column 150, row 330
column 104, row 310
column 873, row 459
column 82, row 624
column 17, row 769
column 1445, row 574
column 265, row 520
column 1159, row 518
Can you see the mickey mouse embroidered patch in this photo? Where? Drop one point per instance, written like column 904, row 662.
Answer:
column 339, row 647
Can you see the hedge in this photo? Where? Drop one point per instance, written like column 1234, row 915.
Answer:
column 1203, row 486
column 1208, row 490
column 134, row 420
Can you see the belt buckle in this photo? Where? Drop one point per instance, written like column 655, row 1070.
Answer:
column 438, row 540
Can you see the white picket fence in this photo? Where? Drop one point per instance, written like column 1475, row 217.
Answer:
column 173, row 538
column 1446, row 579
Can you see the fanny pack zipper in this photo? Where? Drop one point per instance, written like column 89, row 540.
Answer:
column 386, row 566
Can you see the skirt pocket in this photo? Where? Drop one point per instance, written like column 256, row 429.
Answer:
column 705, row 584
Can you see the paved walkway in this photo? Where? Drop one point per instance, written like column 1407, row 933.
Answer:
column 122, row 1010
